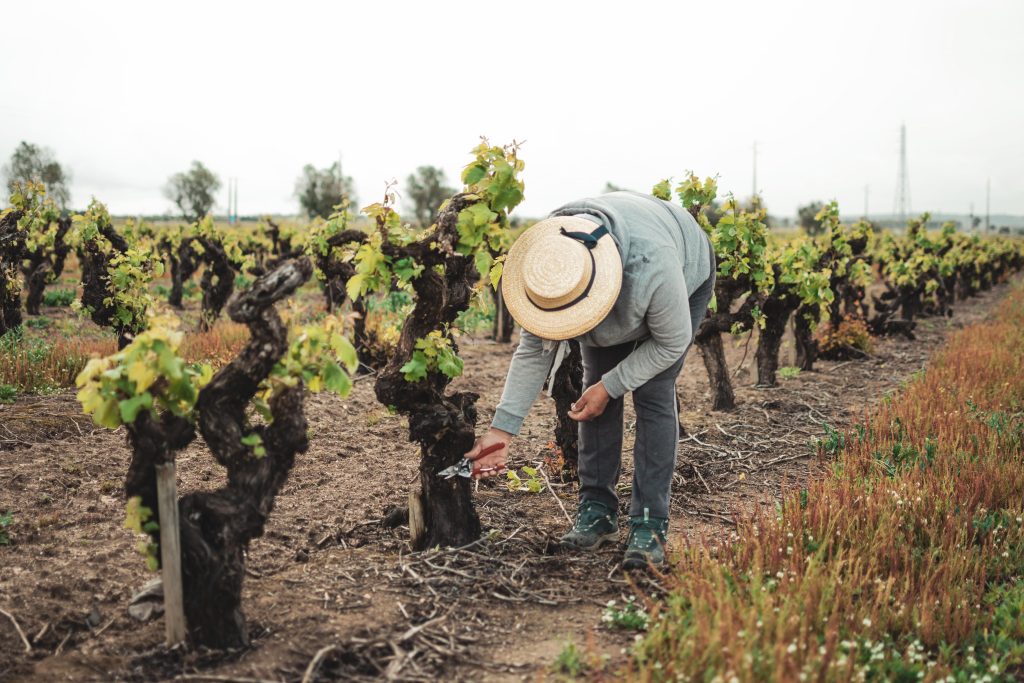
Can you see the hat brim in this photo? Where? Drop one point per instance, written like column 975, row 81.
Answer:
column 582, row 316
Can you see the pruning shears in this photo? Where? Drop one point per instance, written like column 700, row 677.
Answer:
column 464, row 468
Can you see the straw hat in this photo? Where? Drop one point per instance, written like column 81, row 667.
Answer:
column 562, row 277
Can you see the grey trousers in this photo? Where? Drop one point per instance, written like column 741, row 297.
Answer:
column 657, row 426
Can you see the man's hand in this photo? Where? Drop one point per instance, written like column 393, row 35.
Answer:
column 591, row 404
column 491, row 464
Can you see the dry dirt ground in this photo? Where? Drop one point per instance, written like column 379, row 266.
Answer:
column 328, row 575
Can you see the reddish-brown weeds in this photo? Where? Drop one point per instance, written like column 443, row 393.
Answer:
column 888, row 567
column 36, row 365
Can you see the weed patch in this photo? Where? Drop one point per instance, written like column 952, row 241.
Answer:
column 904, row 563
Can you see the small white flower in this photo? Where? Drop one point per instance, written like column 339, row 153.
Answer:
column 792, row 648
column 866, row 622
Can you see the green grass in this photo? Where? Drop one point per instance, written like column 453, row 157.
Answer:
column 789, row 372
column 58, row 297
column 6, row 520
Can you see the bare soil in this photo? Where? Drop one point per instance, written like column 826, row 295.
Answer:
column 327, row 574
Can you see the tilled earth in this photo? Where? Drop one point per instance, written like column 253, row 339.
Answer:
column 333, row 595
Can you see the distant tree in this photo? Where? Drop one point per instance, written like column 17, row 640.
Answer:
column 806, row 218
column 611, row 187
column 34, row 163
column 320, row 190
column 193, row 191
column 427, row 189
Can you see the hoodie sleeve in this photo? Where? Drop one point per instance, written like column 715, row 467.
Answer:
column 668, row 319
column 526, row 374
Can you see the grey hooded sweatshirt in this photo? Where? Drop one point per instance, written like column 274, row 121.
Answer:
column 665, row 256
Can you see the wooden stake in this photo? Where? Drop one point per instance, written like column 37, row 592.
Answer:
column 170, row 553
column 417, row 525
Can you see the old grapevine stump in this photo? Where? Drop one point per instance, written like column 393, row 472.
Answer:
column 443, row 424
column 217, row 526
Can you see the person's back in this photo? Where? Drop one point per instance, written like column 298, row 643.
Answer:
column 634, row 307
column 646, row 230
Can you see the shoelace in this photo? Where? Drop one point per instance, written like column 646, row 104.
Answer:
column 584, row 520
column 650, row 537
column 643, row 536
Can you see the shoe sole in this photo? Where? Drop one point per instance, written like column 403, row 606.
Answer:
column 596, row 545
column 634, row 563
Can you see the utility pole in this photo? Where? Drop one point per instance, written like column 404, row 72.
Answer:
column 753, row 191
column 970, row 219
column 229, row 201
column 903, row 183
column 988, row 200
column 866, row 201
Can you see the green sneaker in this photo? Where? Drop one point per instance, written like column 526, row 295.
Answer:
column 596, row 524
column 646, row 544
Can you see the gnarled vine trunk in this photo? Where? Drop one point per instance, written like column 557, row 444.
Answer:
column 336, row 276
column 910, row 302
column 803, row 333
column 217, row 283
column 280, row 246
column 96, row 291
column 504, row 325
column 849, row 301
column 709, row 337
column 44, row 266
column 217, row 526
column 12, row 245
column 567, row 388
column 713, row 353
column 776, row 308
column 183, row 261
column 443, row 424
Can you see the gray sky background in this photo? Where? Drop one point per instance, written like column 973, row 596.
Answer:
column 628, row 92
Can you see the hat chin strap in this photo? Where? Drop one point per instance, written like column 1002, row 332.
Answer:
column 589, row 240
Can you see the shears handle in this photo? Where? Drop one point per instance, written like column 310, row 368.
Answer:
column 487, row 451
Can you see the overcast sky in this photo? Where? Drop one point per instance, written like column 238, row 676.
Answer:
column 127, row 93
